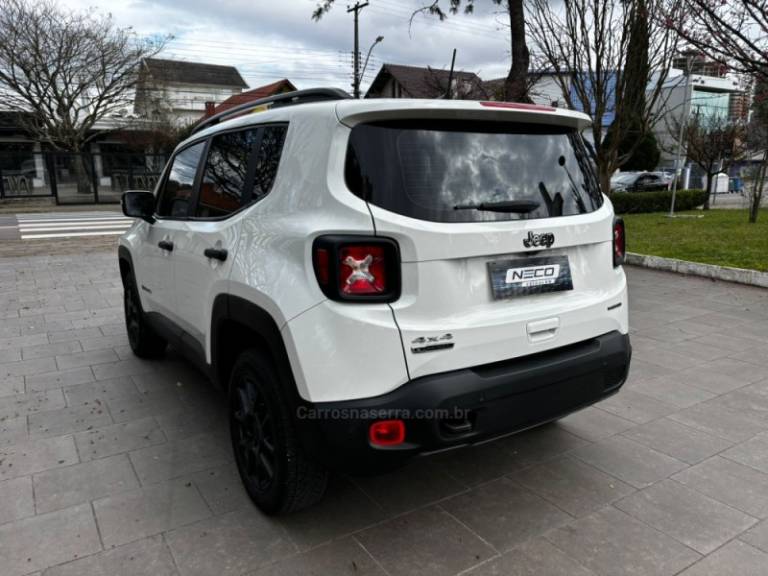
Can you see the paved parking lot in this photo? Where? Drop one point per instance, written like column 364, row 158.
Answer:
column 112, row 465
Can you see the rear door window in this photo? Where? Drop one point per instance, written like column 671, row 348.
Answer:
column 225, row 176
column 434, row 170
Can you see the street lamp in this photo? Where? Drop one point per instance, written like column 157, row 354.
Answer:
column 683, row 122
column 362, row 74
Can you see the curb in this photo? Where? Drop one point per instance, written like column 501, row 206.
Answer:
column 738, row 275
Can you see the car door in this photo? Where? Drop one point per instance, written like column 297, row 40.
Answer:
column 155, row 265
column 235, row 173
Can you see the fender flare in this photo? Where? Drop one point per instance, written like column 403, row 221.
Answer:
column 124, row 254
column 228, row 308
column 255, row 319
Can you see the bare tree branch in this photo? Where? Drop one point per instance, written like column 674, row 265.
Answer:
column 66, row 71
column 586, row 44
column 734, row 33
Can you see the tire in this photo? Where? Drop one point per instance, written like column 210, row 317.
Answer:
column 277, row 474
column 144, row 341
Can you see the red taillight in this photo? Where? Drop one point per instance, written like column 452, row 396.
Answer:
column 362, row 270
column 321, row 266
column 357, row 268
column 619, row 242
column 387, row 433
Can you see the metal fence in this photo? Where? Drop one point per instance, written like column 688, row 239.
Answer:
column 77, row 178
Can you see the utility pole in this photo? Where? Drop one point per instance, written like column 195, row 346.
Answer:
column 683, row 122
column 450, row 75
column 356, row 80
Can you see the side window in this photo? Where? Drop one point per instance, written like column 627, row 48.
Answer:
column 221, row 190
column 268, row 160
column 177, row 191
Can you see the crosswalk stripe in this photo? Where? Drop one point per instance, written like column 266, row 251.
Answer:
column 66, row 225
column 71, row 224
column 73, row 230
column 72, row 234
column 56, row 220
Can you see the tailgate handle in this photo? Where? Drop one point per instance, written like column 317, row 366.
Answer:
column 542, row 329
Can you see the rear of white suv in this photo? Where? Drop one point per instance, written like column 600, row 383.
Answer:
column 418, row 275
column 503, row 277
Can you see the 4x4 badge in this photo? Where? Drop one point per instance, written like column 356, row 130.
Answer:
column 431, row 343
column 546, row 240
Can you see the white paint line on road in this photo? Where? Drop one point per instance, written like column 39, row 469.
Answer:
column 72, row 230
column 72, row 234
column 67, row 225
column 50, row 220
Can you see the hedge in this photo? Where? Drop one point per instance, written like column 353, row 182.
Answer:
column 639, row 202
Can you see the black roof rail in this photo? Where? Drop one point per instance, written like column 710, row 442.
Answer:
column 286, row 99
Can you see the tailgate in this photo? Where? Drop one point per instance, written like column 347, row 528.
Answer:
column 505, row 240
column 450, row 318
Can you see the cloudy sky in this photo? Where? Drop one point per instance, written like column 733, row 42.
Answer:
column 272, row 39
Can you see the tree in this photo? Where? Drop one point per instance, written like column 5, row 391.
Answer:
column 65, row 71
column 637, row 149
column 732, row 32
column 714, row 143
column 757, row 140
column 516, row 84
column 587, row 44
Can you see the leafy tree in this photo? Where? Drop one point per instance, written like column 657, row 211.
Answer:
column 637, row 148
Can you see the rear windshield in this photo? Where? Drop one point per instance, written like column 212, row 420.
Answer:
column 426, row 169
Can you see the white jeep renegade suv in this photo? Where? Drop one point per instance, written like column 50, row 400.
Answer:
column 371, row 280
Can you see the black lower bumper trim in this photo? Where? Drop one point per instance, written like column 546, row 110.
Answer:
column 470, row 405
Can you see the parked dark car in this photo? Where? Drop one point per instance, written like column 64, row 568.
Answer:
column 639, row 182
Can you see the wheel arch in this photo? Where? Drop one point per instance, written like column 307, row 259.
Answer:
column 125, row 261
column 236, row 325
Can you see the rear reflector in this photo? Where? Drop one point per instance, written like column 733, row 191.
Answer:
column 518, row 106
column 387, row 433
column 619, row 242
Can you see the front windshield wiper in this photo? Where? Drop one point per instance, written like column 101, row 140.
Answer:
column 516, row 206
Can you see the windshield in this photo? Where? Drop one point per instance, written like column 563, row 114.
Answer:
column 432, row 170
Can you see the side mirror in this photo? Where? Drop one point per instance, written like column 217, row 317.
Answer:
column 139, row 204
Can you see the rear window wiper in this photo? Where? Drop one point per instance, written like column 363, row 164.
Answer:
column 516, row 206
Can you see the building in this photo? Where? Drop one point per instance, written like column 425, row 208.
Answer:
column 545, row 89
column 179, row 90
column 705, row 97
column 279, row 87
column 398, row 81
column 121, row 153
column 698, row 63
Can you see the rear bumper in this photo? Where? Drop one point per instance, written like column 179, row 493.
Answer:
column 469, row 405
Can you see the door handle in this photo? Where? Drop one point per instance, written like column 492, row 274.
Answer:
column 166, row 245
column 216, row 253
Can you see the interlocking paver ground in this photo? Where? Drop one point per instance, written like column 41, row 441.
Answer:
column 114, row 465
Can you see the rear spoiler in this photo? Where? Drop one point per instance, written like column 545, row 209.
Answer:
column 351, row 112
